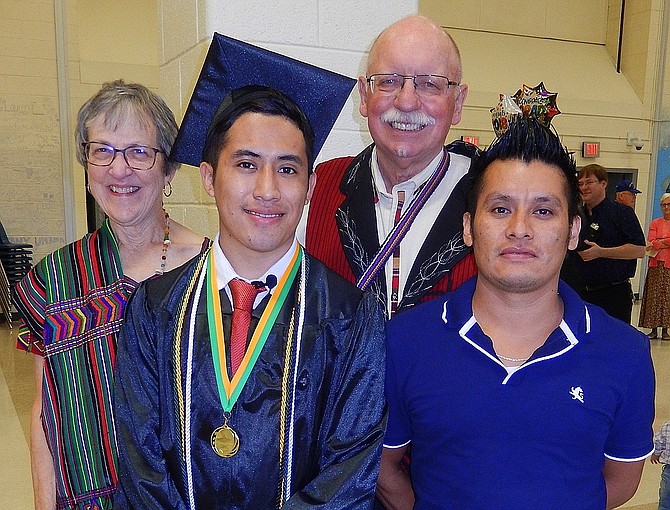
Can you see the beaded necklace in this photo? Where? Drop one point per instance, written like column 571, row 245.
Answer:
column 166, row 243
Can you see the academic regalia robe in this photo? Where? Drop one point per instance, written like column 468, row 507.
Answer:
column 339, row 411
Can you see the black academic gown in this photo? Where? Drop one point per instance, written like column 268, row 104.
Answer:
column 339, row 404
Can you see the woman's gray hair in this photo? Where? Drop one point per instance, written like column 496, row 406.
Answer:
column 663, row 197
column 117, row 102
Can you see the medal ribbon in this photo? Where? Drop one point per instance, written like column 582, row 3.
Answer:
column 229, row 390
column 402, row 227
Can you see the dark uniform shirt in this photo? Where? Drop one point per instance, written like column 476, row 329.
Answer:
column 610, row 224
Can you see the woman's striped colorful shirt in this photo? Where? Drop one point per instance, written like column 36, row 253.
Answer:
column 72, row 305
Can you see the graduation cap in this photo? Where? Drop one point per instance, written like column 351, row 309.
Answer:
column 231, row 64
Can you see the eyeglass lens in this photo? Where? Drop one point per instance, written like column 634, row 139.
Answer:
column 424, row 84
column 138, row 157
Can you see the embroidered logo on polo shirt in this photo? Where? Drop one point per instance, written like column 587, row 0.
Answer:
column 577, row 393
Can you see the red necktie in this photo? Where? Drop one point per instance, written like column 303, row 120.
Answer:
column 244, row 295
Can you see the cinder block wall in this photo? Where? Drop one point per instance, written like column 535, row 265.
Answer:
column 327, row 33
column 31, row 180
column 166, row 51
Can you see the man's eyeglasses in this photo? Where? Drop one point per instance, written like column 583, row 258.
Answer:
column 138, row 157
column 425, row 85
column 583, row 184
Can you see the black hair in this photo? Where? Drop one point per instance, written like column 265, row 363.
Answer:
column 254, row 99
column 528, row 140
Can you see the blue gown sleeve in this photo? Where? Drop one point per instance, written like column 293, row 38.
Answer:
column 353, row 428
column 144, row 480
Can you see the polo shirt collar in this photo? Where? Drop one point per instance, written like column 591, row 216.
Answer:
column 601, row 205
column 456, row 312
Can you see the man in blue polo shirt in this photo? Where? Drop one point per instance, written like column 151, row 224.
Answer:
column 512, row 391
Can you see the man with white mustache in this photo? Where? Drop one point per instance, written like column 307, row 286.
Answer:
column 389, row 218
column 407, row 121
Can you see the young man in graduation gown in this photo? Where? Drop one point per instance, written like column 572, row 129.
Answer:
column 293, row 418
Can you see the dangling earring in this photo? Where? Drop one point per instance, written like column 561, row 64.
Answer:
column 168, row 186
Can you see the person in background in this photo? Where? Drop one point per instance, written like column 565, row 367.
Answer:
column 626, row 193
column 514, row 365
column 72, row 301
column 655, row 308
column 661, row 455
column 252, row 378
column 611, row 240
column 406, row 182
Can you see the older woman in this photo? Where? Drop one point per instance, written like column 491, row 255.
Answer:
column 655, row 309
column 72, row 301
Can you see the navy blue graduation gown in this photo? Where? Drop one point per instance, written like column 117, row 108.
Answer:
column 339, row 404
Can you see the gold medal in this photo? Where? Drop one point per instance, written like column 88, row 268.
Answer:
column 225, row 441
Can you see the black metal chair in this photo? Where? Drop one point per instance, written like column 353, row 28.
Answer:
column 16, row 258
column 5, row 297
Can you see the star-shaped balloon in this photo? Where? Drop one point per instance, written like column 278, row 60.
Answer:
column 503, row 113
column 537, row 102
